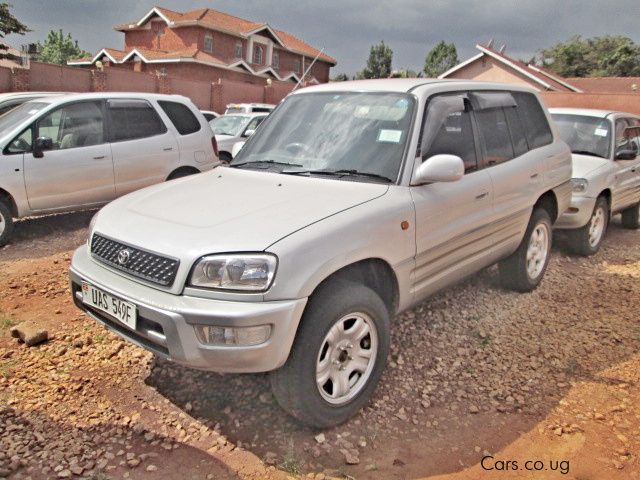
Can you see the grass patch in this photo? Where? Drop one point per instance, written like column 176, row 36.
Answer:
column 6, row 323
column 290, row 463
column 99, row 338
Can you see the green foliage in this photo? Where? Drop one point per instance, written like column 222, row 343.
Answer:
column 378, row 63
column 608, row 56
column 9, row 23
column 59, row 48
column 340, row 77
column 440, row 58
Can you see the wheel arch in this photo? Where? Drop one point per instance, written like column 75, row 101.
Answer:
column 8, row 198
column 549, row 202
column 184, row 168
column 374, row 273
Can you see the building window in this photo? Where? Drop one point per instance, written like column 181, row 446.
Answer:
column 208, row 43
column 238, row 49
column 297, row 65
column 258, row 54
column 275, row 60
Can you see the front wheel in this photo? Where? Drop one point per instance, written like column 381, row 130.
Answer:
column 6, row 223
column 524, row 269
column 631, row 217
column 338, row 355
column 586, row 241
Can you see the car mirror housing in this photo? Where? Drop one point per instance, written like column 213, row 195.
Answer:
column 41, row 145
column 626, row 154
column 248, row 133
column 439, row 168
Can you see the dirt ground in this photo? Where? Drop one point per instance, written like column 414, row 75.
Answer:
column 481, row 383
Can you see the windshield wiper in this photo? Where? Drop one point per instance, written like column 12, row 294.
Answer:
column 265, row 162
column 340, row 173
column 586, row 152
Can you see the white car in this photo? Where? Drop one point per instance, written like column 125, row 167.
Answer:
column 233, row 128
column 9, row 101
column 354, row 201
column 78, row 151
column 249, row 108
column 606, row 173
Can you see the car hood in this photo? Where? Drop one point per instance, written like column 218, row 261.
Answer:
column 583, row 165
column 226, row 210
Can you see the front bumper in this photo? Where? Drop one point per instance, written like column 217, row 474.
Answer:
column 165, row 321
column 578, row 214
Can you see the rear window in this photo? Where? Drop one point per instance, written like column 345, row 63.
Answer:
column 134, row 119
column 181, row 116
column 533, row 119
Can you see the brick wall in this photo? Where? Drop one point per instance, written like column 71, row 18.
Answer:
column 234, row 87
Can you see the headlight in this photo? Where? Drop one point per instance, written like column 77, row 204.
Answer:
column 245, row 272
column 579, row 185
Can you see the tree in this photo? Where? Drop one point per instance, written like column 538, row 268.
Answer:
column 59, row 48
column 440, row 58
column 340, row 77
column 378, row 63
column 608, row 56
column 9, row 24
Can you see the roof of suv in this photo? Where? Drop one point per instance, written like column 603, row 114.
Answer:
column 406, row 85
column 100, row 95
column 589, row 112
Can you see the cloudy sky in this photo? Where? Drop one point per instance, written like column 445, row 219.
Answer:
column 347, row 28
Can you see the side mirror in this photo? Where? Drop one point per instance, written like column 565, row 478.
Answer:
column 626, row 154
column 439, row 168
column 248, row 133
column 41, row 145
column 236, row 148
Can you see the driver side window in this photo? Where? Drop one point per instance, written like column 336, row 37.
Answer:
column 73, row 125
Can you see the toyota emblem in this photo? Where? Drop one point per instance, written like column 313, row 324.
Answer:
column 123, row 256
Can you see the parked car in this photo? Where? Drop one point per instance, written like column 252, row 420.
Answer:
column 352, row 202
column 9, row 101
column 81, row 151
column 234, row 128
column 606, row 173
column 209, row 114
column 249, row 108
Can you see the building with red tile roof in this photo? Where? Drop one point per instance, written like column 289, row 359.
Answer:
column 206, row 44
column 495, row 66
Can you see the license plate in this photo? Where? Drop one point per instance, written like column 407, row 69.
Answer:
column 123, row 311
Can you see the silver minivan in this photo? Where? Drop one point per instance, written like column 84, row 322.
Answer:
column 352, row 202
column 70, row 152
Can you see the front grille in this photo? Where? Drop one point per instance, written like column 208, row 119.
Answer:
column 134, row 261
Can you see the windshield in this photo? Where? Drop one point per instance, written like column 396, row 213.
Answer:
column 229, row 125
column 14, row 117
column 351, row 133
column 585, row 135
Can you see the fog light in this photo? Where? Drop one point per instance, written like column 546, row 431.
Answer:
column 240, row 336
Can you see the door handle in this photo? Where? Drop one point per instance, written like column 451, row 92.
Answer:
column 482, row 195
column 99, row 157
column 533, row 175
column 167, row 149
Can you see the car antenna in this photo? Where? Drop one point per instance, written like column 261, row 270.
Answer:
column 307, row 70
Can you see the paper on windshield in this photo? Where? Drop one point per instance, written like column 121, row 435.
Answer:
column 390, row 136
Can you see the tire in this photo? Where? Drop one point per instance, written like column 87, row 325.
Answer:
column 631, row 217
column 182, row 172
column 225, row 157
column 295, row 385
column 514, row 271
column 6, row 223
column 586, row 241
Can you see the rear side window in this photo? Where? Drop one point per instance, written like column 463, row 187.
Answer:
column 496, row 138
column 533, row 119
column 518, row 137
column 133, row 119
column 181, row 116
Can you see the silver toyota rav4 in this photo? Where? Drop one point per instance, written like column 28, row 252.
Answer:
column 352, row 202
